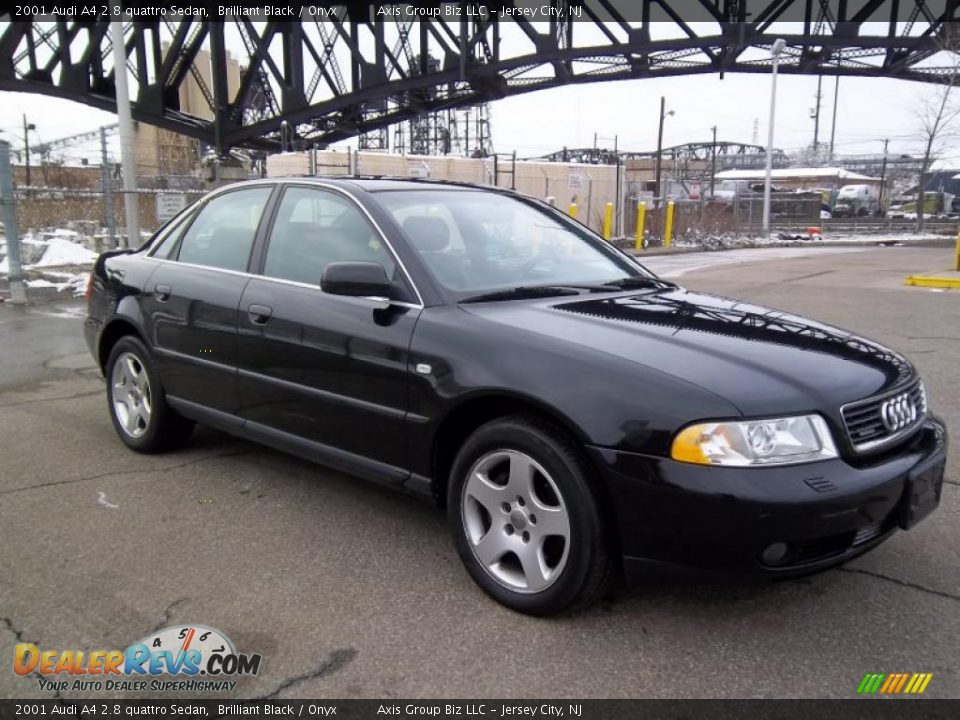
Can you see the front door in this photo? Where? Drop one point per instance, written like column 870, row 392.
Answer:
column 327, row 370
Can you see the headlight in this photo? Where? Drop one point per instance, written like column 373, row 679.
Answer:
column 779, row 441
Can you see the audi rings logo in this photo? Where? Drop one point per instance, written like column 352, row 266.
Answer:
column 898, row 412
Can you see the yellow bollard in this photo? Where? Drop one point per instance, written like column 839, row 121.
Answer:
column 573, row 210
column 607, row 220
column 668, row 225
column 641, row 219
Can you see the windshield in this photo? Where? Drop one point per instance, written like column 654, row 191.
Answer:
column 476, row 241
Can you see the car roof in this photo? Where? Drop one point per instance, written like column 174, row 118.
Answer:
column 381, row 183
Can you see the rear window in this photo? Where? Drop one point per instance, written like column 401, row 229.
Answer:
column 222, row 235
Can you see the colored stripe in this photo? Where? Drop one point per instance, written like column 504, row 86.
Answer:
column 865, row 683
column 914, row 681
column 894, row 681
column 902, row 682
column 888, row 683
column 926, row 681
column 877, row 679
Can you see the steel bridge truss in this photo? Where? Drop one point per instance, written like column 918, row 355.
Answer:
column 353, row 72
column 728, row 154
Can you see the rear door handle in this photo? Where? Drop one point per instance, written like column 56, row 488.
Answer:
column 163, row 292
column 259, row 314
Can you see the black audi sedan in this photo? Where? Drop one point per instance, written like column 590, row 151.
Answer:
column 575, row 414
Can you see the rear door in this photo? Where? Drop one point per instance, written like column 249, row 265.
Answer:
column 326, row 375
column 192, row 298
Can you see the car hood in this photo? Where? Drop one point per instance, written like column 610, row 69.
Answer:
column 763, row 361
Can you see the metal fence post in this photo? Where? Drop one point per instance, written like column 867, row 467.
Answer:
column 8, row 213
column 107, row 183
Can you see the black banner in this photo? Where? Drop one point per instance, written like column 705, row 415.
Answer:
column 459, row 10
column 872, row 709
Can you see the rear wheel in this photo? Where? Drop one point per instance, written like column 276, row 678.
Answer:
column 526, row 519
column 138, row 409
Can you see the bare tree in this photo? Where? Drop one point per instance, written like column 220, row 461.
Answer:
column 936, row 113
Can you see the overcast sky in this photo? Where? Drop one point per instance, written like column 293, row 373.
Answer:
column 868, row 111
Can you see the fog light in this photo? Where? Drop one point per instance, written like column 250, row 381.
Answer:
column 774, row 554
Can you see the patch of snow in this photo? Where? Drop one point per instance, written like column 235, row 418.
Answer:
column 825, row 173
column 74, row 283
column 886, row 238
column 64, row 233
column 63, row 252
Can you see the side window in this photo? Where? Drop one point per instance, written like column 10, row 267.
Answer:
column 314, row 228
column 171, row 234
column 223, row 232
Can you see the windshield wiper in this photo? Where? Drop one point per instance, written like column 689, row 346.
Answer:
column 524, row 292
column 632, row 283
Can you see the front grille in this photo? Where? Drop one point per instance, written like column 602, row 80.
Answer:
column 822, row 548
column 865, row 423
column 867, row 533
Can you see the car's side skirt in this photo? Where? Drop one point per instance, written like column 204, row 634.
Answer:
column 308, row 449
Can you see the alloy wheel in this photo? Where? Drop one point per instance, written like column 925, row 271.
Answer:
column 132, row 399
column 516, row 521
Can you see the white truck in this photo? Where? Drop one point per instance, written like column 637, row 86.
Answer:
column 856, row 201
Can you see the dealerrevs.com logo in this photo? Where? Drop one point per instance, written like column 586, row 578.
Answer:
column 182, row 658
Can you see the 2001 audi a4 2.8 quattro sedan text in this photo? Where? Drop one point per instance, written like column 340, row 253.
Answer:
column 574, row 413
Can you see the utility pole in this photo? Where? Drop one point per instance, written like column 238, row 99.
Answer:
column 833, row 127
column 27, row 127
column 713, row 161
column 107, row 185
column 125, row 122
column 883, row 173
column 8, row 214
column 816, row 116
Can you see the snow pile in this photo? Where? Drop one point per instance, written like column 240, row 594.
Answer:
column 61, row 251
column 42, row 253
column 75, row 283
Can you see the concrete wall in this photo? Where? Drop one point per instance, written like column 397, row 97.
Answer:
column 589, row 186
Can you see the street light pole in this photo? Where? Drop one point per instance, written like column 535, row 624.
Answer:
column 713, row 161
column 656, row 184
column 775, row 50
column 27, row 127
column 125, row 121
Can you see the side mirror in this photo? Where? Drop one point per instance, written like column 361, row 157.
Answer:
column 356, row 279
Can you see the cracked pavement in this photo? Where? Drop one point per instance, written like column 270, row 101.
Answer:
column 349, row 589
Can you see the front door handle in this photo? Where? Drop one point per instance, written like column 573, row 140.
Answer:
column 259, row 314
column 163, row 292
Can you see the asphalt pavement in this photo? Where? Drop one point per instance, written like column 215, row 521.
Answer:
column 349, row 589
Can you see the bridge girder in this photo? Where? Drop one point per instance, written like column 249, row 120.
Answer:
column 351, row 73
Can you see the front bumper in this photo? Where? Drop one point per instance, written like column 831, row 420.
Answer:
column 724, row 519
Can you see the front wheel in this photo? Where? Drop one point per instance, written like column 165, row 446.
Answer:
column 138, row 409
column 526, row 517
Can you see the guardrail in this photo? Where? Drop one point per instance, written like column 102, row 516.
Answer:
column 870, row 225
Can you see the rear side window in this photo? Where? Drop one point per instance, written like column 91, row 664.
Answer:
column 223, row 232
column 171, row 234
column 314, row 228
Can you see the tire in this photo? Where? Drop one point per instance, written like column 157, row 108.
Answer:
column 136, row 403
column 526, row 519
